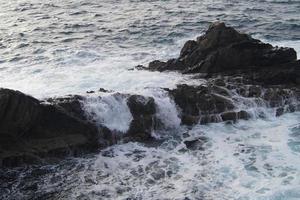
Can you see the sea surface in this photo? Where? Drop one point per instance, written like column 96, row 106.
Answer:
column 54, row 48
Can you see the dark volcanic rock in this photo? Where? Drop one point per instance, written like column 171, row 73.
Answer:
column 143, row 110
column 223, row 49
column 30, row 130
column 279, row 111
column 239, row 70
column 104, row 90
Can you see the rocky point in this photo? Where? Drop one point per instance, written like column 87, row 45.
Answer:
column 242, row 74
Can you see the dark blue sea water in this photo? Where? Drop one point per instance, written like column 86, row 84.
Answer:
column 52, row 48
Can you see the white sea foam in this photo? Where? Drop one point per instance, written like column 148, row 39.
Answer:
column 109, row 110
column 247, row 160
column 112, row 74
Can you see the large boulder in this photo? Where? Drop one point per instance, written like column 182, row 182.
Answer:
column 30, row 130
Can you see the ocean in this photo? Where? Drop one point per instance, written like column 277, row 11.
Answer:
column 54, row 48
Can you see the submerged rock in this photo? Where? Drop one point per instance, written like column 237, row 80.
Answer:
column 196, row 144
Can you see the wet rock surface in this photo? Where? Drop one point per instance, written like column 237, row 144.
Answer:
column 236, row 98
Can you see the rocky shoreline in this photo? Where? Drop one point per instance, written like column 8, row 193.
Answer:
column 241, row 73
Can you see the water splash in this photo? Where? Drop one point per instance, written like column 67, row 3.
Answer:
column 110, row 110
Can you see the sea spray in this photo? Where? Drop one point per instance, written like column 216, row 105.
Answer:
column 110, row 110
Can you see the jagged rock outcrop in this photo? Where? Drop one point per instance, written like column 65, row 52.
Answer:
column 69, row 103
column 222, row 49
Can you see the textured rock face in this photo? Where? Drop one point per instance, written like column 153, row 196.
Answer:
column 203, row 104
column 228, row 98
column 200, row 100
column 70, row 104
column 280, row 74
column 30, row 130
column 223, row 49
